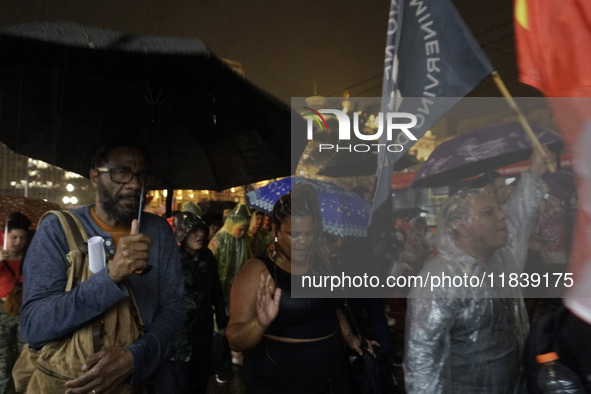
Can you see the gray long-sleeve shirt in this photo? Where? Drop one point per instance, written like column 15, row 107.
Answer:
column 471, row 339
column 49, row 313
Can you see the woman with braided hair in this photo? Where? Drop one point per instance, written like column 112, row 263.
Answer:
column 291, row 345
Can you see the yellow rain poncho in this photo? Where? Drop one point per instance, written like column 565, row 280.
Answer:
column 231, row 246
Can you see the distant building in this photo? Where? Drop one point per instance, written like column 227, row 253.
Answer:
column 23, row 176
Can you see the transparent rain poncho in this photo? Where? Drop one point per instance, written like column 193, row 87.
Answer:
column 231, row 252
column 470, row 339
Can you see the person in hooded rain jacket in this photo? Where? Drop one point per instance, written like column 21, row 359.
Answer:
column 203, row 297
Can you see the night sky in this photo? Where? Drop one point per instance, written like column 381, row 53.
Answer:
column 284, row 46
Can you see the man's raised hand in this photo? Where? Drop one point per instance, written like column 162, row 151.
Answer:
column 131, row 256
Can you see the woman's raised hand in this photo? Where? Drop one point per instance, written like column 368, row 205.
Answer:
column 267, row 301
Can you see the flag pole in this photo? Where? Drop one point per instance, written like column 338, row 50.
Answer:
column 385, row 167
column 524, row 123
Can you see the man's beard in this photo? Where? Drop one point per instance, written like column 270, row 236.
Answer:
column 112, row 207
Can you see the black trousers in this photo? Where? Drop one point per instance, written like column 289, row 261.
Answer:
column 310, row 368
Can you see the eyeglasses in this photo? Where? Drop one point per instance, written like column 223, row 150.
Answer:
column 124, row 175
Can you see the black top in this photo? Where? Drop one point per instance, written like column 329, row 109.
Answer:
column 301, row 318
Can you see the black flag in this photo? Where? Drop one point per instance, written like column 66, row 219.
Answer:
column 431, row 61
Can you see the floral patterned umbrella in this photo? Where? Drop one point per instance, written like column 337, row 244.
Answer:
column 479, row 150
column 344, row 213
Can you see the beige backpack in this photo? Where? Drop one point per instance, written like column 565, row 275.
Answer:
column 47, row 370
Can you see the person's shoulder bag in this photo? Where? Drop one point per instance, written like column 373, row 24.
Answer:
column 369, row 374
column 48, row 369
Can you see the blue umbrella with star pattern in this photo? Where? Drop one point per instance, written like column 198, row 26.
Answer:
column 344, row 213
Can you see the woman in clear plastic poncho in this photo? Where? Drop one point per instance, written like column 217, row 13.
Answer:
column 470, row 339
column 230, row 246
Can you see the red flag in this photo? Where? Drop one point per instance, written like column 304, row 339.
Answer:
column 553, row 41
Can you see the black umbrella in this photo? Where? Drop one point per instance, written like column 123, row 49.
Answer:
column 344, row 163
column 65, row 89
column 481, row 150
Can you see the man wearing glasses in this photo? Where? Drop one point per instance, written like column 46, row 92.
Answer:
column 49, row 313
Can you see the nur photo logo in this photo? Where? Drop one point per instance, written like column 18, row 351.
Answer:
column 394, row 126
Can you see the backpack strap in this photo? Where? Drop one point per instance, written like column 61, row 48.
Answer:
column 75, row 233
column 77, row 242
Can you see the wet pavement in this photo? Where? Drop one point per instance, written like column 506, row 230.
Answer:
column 234, row 385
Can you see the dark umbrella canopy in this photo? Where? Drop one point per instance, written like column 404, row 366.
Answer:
column 481, row 150
column 66, row 89
column 343, row 164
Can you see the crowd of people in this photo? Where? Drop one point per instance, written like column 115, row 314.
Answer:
column 210, row 296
